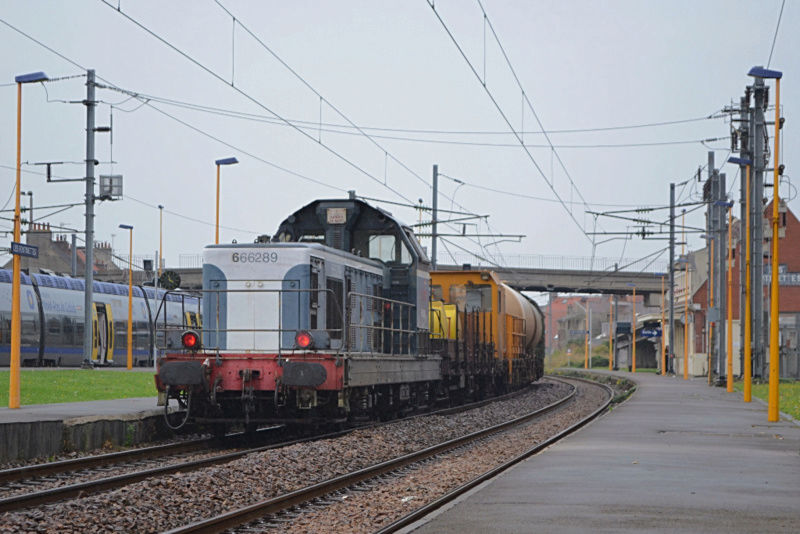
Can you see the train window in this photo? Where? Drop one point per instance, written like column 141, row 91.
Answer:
column 382, row 247
column 69, row 331
column 333, row 316
column 313, row 298
column 436, row 292
column 415, row 243
column 5, row 328
column 53, row 326
column 472, row 297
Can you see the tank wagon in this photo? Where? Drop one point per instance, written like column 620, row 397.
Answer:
column 330, row 320
column 52, row 321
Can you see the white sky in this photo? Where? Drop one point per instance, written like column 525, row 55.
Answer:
column 583, row 64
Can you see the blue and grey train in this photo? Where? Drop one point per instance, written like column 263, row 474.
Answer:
column 52, row 321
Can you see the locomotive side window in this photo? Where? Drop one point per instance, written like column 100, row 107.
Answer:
column 333, row 308
column 314, row 298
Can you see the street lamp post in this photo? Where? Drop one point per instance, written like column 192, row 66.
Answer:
column 774, row 350
column 219, row 163
column 633, row 331
column 663, row 341
column 16, row 325
column 160, row 238
column 130, row 293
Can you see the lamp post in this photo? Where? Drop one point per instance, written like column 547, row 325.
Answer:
column 16, row 336
column 710, row 324
column 220, row 163
column 729, row 366
column 611, row 332
column 685, row 301
column 663, row 341
column 774, row 352
column 633, row 330
column 130, row 294
column 160, row 238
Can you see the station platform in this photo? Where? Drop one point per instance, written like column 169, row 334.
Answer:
column 678, row 456
column 51, row 429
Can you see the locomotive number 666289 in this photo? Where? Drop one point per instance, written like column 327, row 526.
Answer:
column 254, row 257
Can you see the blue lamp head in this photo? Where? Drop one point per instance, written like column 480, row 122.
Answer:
column 761, row 72
column 126, row 226
column 740, row 161
column 226, row 161
column 33, row 77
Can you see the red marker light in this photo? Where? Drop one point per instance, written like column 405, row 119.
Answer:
column 190, row 340
column 304, row 340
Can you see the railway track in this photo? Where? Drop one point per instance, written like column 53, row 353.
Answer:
column 65, row 479
column 163, row 501
column 83, row 476
column 281, row 511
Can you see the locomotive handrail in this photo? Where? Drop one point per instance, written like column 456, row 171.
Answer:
column 406, row 315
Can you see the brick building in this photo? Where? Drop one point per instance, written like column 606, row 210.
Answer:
column 55, row 256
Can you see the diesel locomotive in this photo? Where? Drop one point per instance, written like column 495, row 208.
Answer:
column 333, row 319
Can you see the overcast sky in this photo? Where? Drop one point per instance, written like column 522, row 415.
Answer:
column 389, row 65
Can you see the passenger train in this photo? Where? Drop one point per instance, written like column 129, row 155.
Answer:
column 52, row 321
column 338, row 317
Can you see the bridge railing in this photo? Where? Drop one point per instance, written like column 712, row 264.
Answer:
column 571, row 263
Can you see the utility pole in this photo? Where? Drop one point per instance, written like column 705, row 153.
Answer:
column 670, row 361
column 88, row 296
column 435, row 214
column 710, row 196
column 757, row 145
column 745, row 191
column 616, row 318
column 720, row 300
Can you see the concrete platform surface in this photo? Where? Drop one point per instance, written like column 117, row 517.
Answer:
column 49, row 429
column 73, row 410
column 678, row 456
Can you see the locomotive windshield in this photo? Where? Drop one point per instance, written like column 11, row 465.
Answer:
column 380, row 246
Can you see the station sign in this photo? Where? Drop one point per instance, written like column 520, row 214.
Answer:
column 650, row 332
column 21, row 249
column 623, row 328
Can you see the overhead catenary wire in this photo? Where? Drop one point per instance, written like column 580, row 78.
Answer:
column 111, row 85
column 252, row 99
column 336, row 127
column 347, row 130
column 266, row 108
column 775, row 37
column 505, row 117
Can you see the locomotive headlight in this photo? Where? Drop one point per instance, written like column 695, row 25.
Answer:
column 304, row 340
column 190, row 340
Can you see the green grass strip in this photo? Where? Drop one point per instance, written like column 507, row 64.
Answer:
column 44, row 386
column 788, row 395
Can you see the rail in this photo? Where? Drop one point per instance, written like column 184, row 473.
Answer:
column 246, row 514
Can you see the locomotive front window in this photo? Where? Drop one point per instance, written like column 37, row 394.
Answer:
column 382, row 247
